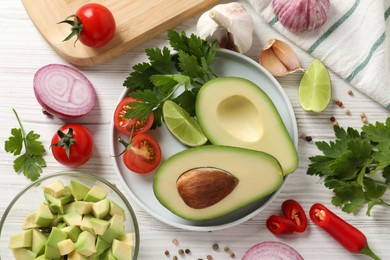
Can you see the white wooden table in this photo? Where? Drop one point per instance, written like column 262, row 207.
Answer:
column 23, row 51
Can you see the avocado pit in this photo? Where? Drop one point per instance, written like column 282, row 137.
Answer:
column 203, row 187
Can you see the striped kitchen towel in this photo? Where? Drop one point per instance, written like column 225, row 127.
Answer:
column 354, row 42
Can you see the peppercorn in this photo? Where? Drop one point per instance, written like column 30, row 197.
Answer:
column 308, row 138
column 181, row 252
column 187, row 251
column 166, row 252
column 174, row 257
column 216, row 247
column 232, row 255
column 340, row 104
column 332, row 119
column 347, row 111
column 350, row 92
column 175, row 242
column 209, row 257
column 226, row 249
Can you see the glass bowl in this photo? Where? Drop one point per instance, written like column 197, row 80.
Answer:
column 28, row 199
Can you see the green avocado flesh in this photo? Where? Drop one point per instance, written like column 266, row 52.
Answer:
column 258, row 174
column 234, row 111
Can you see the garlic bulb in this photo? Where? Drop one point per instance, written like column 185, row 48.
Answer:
column 301, row 15
column 229, row 24
column 279, row 58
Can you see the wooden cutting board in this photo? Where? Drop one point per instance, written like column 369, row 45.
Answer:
column 137, row 21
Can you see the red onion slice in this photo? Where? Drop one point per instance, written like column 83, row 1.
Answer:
column 272, row 250
column 63, row 91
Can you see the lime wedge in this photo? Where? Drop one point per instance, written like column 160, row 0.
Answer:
column 184, row 127
column 315, row 89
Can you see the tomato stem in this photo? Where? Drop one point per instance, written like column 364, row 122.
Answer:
column 66, row 140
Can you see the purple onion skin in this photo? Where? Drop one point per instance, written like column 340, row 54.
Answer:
column 272, row 250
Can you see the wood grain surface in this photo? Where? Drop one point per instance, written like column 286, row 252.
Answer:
column 136, row 22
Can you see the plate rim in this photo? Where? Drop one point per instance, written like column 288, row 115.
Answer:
column 243, row 219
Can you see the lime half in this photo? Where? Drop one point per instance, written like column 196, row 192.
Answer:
column 184, row 127
column 315, row 89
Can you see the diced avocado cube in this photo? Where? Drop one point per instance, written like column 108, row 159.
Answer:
column 29, row 221
column 41, row 257
column 76, row 256
column 72, row 218
column 61, row 224
column 23, row 254
column 43, row 217
column 38, row 243
column 115, row 230
column 95, row 194
column 85, row 244
column 108, row 255
column 86, row 224
column 99, row 226
column 72, row 232
column 69, row 208
column 66, row 246
column 101, row 208
column 20, row 240
column 67, row 197
column 56, row 235
column 54, row 203
column 116, row 209
column 55, row 189
column 78, row 189
column 101, row 246
column 122, row 250
column 83, row 207
column 128, row 238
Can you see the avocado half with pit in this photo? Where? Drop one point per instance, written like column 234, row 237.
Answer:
column 211, row 181
column 234, row 111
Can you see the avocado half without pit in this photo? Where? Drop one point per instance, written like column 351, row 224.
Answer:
column 212, row 181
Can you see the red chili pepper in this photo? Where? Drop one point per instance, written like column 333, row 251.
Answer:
column 346, row 234
column 280, row 225
column 294, row 211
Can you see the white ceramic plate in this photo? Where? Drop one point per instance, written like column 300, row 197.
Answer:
column 140, row 187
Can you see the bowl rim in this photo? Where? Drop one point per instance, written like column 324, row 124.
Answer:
column 79, row 174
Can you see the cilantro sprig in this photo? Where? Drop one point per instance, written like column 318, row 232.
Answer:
column 170, row 75
column 356, row 166
column 31, row 161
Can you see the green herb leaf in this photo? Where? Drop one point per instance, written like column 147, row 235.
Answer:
column 168, row 76
column 32, row 161
column 351, row 164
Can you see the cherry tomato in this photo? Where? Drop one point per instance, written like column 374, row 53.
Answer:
column 125, row 125
column 142, row 155
column 293, row 210
column 72, row 145
column 280, row 225
column 93, row 24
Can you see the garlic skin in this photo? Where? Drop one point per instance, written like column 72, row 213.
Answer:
column 279, row 58
column 301, row 15
column 229, row 24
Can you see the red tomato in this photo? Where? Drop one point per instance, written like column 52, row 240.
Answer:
column 125, row 125
column 293, row 210
column 93, row 24
column 143, row 154
column 72, row 145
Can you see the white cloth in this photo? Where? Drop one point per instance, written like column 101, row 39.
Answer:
column 354, row 42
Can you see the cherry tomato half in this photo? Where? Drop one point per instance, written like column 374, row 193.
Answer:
column 125, row 125
column 72, row 145
column 293, row 210
column 93, row 24
column 143, row 154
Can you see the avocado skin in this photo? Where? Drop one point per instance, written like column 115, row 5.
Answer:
column 235, row 111
column 259, row 174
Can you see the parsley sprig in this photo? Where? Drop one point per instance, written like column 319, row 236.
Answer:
column 356, row 166
column 31, row 161
column 176, row 75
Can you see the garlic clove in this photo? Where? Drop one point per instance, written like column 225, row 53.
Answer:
column 271, row 62
column 286, row 55
column 279, row 58
column 229, row 24
column 301, row 15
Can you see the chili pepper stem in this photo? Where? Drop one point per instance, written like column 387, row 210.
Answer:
column 367, row 251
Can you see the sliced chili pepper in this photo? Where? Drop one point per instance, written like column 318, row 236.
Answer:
column 280, row 225
column 294, row 211
column 343, row 232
